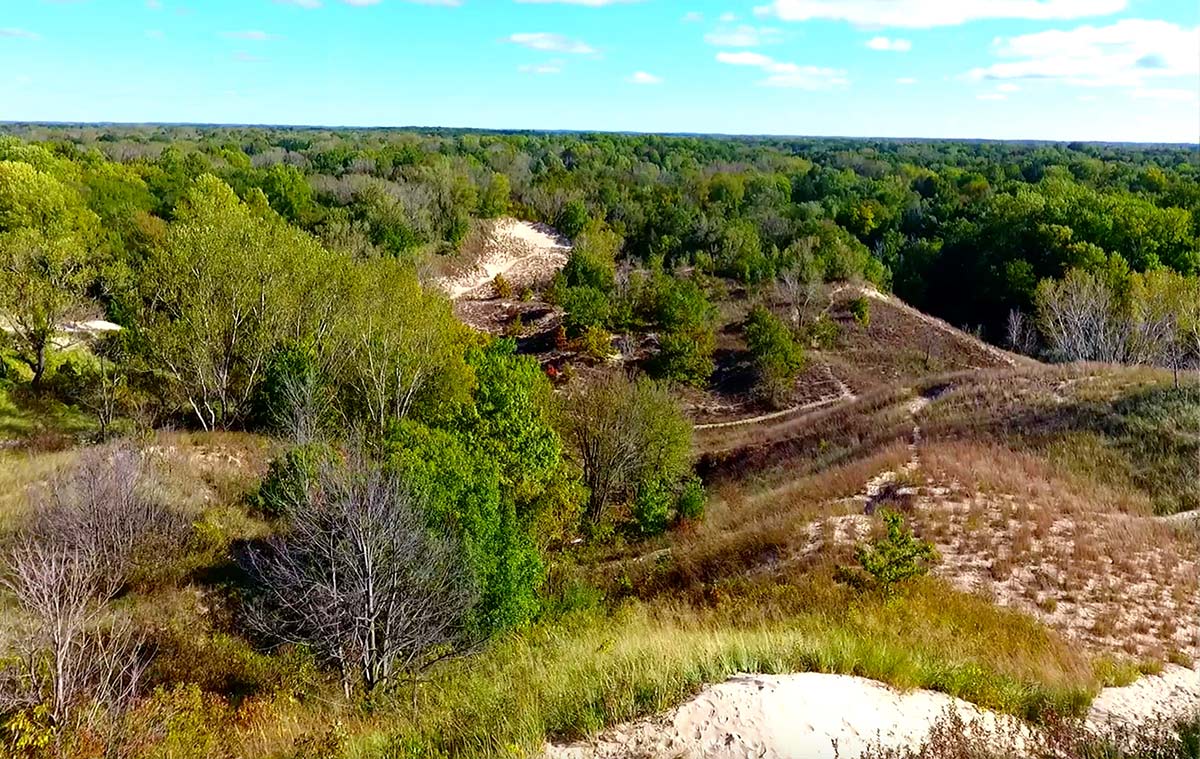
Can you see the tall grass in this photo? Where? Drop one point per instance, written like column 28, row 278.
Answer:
column 589, row 669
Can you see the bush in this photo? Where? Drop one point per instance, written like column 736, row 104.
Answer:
column 777, row 356
column 686, row 356
column 289, row 478
column 596, row 344
column 896, row 557
column 824, row 332
column 288, row 366
column 860, row 309
column 504, row 289
column 692, row 501
column 585, row 307
column 652, row 507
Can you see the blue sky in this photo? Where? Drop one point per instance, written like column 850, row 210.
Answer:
column 1048, row 69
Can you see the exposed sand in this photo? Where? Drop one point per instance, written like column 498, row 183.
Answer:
column 525, row 253
column 818, row 715
column 785, row 716
column 1172, row 695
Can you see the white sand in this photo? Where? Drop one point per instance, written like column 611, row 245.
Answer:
column 1172, row 695
column 781, row 717
column 524, row 252
column 825, row 716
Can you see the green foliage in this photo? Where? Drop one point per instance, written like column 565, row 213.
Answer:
column 596, row 344
column 572, row 218
column 585, row 308
column 592, row 262
column 652, row 507
column 289, row 366
column 824, row 332
column 777, row 356
column 289, row 478
column 504, row 289
column 462, row 492
column 860, row 309
column 692, row 500
column 686, row 356
column 897, row 557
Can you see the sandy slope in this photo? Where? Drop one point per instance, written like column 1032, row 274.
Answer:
column 524, row 252
column 819, row 715
column 780, row 717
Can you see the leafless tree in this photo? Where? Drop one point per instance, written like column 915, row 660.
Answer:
column 92, row 528
column 1079, row 318
column 1022, row 336
column 360, row 578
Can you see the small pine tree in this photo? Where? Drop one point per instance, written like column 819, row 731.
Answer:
column 896, row 557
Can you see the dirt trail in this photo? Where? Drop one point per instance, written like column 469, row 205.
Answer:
column 844, row 396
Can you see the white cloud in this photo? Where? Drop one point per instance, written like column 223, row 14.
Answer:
column 301, row 3
column 693, row 17
column 923, row 14
column 1128, row 53
column 253, row 35
column 1008, row 88
column 782, row 74
column 991, row 96
column 23, row 34
column 550, row 67
column 891, row 45
column 154, row 34
column 641, row 77
column 552, row 43
column 588, row 3
column 727, row 17
column 154, row 5
column 1178, row 95
column 906, row 80
column 742, row 36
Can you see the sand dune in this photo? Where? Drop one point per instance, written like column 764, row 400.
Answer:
column 819, row 715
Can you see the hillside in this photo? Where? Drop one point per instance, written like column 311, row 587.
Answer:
column 442, row 445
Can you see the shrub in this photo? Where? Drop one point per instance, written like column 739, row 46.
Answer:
column 860, row 309
column 504, row 288
column 896, row 557
column 596, row 344
column 289, row 477
column 585, row 307
column 776, row 355
column 686, row 356
column 824, row 332
column 692, row 500
column 652, row 507
column 288, row 366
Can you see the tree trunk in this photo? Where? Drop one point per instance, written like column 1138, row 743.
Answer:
column 39, row 366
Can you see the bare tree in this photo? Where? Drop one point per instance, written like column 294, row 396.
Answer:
column 359, row 576
column 1022, row 336
column 91, row 530
column 623, row 433
column 1079, row 318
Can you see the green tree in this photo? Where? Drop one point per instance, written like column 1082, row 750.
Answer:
column 777, row 356
column 896, row 557
column 629, row 437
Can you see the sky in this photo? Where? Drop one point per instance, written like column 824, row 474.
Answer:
column 1121, row 70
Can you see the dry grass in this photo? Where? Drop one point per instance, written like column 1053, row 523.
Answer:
column 1086, row 558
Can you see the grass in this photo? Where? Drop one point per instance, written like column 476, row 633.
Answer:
column 569, row 678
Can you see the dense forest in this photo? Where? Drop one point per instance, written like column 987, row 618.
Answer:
column 423, row 477
column 965, row 231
